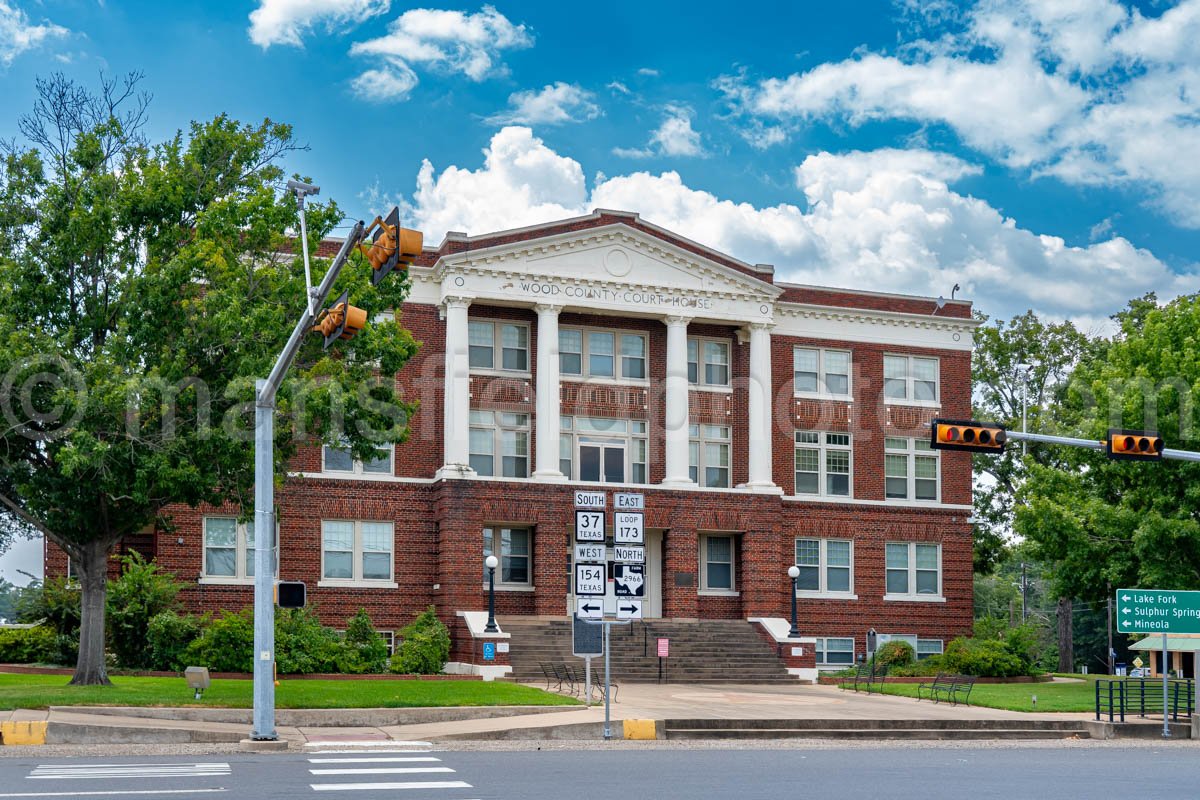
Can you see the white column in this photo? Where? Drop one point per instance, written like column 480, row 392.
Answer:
column 675, row 437
column 456, row 422
column 547, row 406
column 759, row 421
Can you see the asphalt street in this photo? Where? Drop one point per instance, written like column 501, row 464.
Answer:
column 418, row 772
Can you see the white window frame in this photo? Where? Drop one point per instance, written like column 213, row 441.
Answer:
column 357, row 467
column 823, row 566
column 494, row 533
column 700, row 437
column 356, row 557
column 705, row 588
column 496, row 423
column 822, row 390
column 914, row 449
column 635, row 436
column 701, row 381
column 911, row 574
column 823, row 448
column 910, row 397
column 497, row 367
column 618, row 375
column 822, row 651
column 242, row 552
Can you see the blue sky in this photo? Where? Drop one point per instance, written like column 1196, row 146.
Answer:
column 1042, row 154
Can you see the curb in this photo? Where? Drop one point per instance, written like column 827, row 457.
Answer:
column 23, row 733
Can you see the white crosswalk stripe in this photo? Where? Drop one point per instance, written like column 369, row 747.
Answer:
column 340, row 766
column 83, row 771
column 383, row 787
column 380, row 771
column 383, row 760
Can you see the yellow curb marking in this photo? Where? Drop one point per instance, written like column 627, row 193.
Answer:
column 23, row 733
column 639, row 729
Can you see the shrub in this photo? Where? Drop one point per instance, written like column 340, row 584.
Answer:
column 425, row 647
column 226, row 644
column 987, row 658
column 896, row 653
column 135, row 598
column 26, row 645
column 926, row 667
column 364, row 650
column 168, row 637
column 56, row 601
column 303, row 644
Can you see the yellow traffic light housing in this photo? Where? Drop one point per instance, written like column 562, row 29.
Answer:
column 390, row 246
column 1125, row 445
column 969, row 435
column 341, row 320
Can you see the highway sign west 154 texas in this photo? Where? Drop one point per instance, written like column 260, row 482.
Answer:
column 1157, row 611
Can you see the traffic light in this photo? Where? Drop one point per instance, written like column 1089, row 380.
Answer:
column 1133, row 445
column 290, row 594
column 390, row 246
column 969, row 435
column 341, row 320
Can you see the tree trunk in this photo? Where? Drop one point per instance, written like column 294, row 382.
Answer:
column 93, row 578
column 1066, row 636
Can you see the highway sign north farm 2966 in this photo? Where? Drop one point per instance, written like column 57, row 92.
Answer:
column 1157, row 611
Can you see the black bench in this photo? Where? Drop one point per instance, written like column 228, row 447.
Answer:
column 866, row 676
column 951, row 688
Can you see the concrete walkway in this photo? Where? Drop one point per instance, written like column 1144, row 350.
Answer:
column 635, row 702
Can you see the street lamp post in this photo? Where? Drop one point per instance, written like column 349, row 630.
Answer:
column 794, row 574
column 491, row 562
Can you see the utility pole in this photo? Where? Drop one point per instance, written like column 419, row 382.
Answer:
column 1110, row 647
column 1024, row 592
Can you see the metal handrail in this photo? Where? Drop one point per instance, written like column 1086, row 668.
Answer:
column 1118, row 696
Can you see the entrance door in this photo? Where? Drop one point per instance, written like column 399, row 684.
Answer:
column 602, row 460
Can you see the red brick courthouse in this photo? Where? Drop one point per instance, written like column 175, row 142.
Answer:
column 766, row 424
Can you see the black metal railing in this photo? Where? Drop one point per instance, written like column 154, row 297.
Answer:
column 1116, row 697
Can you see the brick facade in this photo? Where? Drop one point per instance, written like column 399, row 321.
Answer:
column 438, row 523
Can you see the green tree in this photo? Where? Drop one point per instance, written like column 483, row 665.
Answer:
column 143, row 288
column 1106, row 523
column 1001, row 390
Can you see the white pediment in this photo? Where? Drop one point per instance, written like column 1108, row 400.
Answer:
column 614, row 255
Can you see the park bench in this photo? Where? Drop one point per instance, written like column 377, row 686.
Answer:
column 951, row 688
column 867, row 677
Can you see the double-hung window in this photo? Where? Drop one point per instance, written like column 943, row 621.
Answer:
column 928, row 647
column 229, row 551
column 708, row 455
column 708, row 362
column 716, row 562
column 823, row 463
column 339, row 460
column 910, row 469
column 513, row 548
column 835, row 652
column 825, row 566
column 910, row 379
column 821, row 373
column 499, row 444
column 914, row 569
column 602, row 354
column 357, row 552
column 498, row 345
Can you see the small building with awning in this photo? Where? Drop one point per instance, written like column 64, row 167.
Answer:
column 1181, row 652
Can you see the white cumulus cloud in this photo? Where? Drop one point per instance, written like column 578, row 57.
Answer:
column 288, row 21
column 885, row 220
column 452, row 41
column 1089, row 91
column 554, row 104
column 18, row 34
column 674, row 137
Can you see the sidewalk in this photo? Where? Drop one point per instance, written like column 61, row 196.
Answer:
column 85, row 725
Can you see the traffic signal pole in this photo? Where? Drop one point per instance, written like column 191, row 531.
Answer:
column 1091, row 444
column 264, row 493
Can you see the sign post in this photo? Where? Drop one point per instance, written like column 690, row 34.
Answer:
column 1159, row 611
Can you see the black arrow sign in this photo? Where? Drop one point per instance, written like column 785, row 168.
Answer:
column 630, row 609
column 588, row 607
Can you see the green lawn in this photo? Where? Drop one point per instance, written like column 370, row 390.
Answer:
column 40, row 691
column 1019, row 696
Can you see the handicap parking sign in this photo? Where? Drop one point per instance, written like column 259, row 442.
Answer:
column 489, row 651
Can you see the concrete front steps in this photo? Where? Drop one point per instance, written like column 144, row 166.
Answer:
column 872, row 729
column 708, row 651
